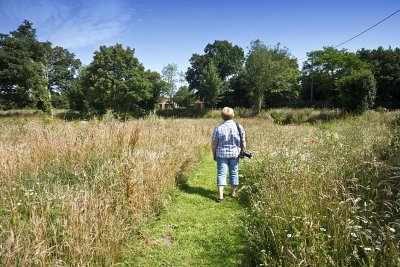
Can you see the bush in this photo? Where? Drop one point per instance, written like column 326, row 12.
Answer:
column 357, row 91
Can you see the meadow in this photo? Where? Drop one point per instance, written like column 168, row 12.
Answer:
column 74, row 193
column 315, row 192
column 325, row 194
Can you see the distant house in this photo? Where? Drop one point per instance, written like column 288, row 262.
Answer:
column 166, row 103
column 199, row 104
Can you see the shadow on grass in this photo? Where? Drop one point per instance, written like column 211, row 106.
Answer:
column 206, row 193
column 18, row 114
column 69, row 115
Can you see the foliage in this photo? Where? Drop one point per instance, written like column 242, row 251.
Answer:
column 170, row 76
column 209, row 74
column 211, row 87
column 61, row 68
column 30, row 71
column 301, row 116
column 116, row 80
column 322, row 71
column 357, row 91
column 184, row 97
column 228, row 58
column 21, row 62
column 385, row 64
column 269, row 71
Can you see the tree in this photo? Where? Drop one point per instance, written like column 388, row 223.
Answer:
column 241, row 92
column 211, row 86
column 227, row 61
column 325, row 67
column 170, row 76
column 184, row 97
column 30, row 71
column 61, row 69
column 116, row 80
column 385, row 65
column 22, row 82
column 357, row 91
column 158, row 86
column 270, row 72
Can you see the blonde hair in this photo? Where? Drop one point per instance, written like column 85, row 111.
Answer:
column 227, row 113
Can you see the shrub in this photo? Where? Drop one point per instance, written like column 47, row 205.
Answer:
column 357, row 91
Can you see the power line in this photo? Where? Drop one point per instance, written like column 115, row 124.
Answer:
column 367, row 29
column 373, row 26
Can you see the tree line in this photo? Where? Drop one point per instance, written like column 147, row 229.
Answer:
column 36, row 74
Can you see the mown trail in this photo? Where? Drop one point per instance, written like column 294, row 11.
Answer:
column 194, row 230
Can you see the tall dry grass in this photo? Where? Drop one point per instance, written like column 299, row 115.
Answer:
column 323, row 195
column 74, row 193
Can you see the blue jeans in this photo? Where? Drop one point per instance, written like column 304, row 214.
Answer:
column 222, row 167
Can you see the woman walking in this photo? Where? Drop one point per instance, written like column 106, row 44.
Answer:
column 226, row 147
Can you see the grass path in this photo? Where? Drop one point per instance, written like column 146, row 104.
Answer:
column 194, row 230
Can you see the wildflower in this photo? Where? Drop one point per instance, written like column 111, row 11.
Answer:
column 353, row 234
column 263, row 251
column 322, row 229
column 305, row 143
column 367, row 249
column 392, row 230
column 314, row 142
column 289, row 235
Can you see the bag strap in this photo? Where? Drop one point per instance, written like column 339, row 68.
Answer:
column 240, row 135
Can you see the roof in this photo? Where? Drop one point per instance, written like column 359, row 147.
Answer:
column 164, row 101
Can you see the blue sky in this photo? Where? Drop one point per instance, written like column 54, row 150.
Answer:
column 170, row 31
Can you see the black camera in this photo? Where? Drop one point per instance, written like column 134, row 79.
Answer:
column 245, row 153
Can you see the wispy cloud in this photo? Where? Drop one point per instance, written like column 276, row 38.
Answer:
column 72, row 24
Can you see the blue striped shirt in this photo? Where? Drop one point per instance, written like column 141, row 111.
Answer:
column 228, row 140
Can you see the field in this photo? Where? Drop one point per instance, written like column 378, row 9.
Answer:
column 315, row 193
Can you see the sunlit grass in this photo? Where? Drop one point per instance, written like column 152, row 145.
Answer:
column 321, row 195
column 74, row 193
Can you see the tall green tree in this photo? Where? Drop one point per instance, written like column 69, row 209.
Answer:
column 116, row 80
column 211, row 87
column 157, row 86
column 227, row 60
column 323, row 70
column 22, row 58
column 270, row 72
column 61, row 69
column 385, row 65
column 31, row 71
